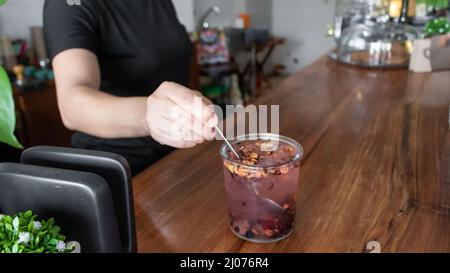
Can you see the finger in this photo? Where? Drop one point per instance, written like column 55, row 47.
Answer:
column 189, row 128
column 205, row 129
column 181, row 95
column 181, row 129
column 209, row 133
column 176, row 113
column 210, row 118
column 191, row 101
column 173, row 113
column 213, row 120
column 170, row 110
column 209, row 114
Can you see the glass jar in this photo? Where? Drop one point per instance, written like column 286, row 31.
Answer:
column 262, row 196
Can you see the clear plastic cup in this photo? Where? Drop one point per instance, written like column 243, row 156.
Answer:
column 262, row 189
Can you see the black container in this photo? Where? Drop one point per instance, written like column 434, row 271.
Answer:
column 80, row 202
column 113, row 168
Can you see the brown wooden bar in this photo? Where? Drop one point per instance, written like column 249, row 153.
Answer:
column 376, row 168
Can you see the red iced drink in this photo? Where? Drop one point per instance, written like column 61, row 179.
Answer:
column 261, row 187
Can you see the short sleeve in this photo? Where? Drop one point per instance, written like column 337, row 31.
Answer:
column 70, row 26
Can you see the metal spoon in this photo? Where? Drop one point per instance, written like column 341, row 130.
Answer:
column 268, row 201
column 228, row 143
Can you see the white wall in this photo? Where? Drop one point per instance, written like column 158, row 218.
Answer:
column 303, row 23
column 16, row 17
column 260, row 12
column 185, row 11
column 230, row 9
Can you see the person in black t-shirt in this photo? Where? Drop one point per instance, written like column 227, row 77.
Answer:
column 120, row 67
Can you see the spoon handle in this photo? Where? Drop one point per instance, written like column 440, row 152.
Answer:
column 228, row 143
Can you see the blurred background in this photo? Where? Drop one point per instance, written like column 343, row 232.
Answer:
column 303, row 21
column 244, row 48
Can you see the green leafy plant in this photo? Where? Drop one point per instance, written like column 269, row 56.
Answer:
column 7, row 112
column 22, row 233
column 438, row 4
column 438, row 26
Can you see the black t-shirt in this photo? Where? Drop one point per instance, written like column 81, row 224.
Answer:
column 138, row 43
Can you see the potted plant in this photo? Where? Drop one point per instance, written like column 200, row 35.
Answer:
column 23, row 233
column 7, row 112
column 436, row 27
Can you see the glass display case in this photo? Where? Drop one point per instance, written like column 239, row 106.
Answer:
column 366, row 37
column 386, row 45
column 350, row 12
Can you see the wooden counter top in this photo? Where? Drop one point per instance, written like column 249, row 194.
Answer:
column 376, row 168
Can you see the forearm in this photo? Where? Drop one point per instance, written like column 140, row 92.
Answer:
column 85, row 108
column 103, row 115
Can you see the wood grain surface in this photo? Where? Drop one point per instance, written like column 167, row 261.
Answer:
column 376, row 168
